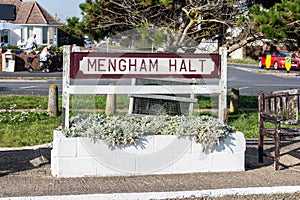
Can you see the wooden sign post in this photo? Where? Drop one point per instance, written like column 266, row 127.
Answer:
column 84, row 65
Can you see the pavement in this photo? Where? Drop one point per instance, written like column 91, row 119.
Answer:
column 34, row 75
column 26, row 173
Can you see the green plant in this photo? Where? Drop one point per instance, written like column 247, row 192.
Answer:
column 122, row 130
column 207, row 101
column 248, row 102
column 246, row 122
column 53, row 48
column 12, row 48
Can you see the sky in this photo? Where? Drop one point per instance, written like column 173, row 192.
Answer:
column 61, row 8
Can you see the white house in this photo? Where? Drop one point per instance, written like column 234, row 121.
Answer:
column 34, row 19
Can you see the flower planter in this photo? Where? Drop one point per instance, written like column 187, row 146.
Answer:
column 155, row 154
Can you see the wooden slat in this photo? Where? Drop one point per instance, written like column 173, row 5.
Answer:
column 284, row 104
column 145, row 89
column 290, row 108
column 165, row 97
column 272, row 108
column 266, row 105
column 296, row 107
column 278, row 106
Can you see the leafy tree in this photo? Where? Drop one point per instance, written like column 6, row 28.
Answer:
column 89, row 24
column 180, row 21
column 280, row 23
column 185, row 23
column 71, row 32
column 266, row 3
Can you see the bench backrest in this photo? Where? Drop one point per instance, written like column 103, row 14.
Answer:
column 281, row 104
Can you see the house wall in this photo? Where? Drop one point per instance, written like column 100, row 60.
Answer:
column 38, row 30
column 16, row 36
column 237, row 54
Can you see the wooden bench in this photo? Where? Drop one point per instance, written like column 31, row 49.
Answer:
column 278, row 119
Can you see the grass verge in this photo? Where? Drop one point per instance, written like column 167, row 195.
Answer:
column 245, row 122
column 28, row 128
column 243, row 61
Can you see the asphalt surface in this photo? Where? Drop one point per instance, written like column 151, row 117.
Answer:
column 249, row 79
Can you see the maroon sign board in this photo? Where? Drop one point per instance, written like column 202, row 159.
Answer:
column 85, row 65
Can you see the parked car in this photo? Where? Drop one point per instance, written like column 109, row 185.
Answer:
column 278, row 60
column 88, row 43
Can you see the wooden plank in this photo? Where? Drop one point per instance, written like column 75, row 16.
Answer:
column 266, row 105
column 284, row 104
column 272, row 108
column 65, row 86
column 290, row 107
column 278, row 106
column 144, row 89
column 261, row 126
column 165, row 97
column 296, row 107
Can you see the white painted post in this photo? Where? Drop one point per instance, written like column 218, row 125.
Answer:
column 131, row 100
column 223, row 83
column 65, row 87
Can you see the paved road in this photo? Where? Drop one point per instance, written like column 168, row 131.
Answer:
column 249, row 79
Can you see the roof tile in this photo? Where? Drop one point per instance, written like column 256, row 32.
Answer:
column 31, row 13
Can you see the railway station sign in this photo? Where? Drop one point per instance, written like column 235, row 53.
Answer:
column 139, row 65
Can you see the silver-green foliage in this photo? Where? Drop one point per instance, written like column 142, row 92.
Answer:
column 118, row 130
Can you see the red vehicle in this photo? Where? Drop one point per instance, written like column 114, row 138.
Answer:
column 278, row 60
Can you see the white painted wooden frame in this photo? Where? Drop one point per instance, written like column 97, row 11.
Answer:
column 68, row 89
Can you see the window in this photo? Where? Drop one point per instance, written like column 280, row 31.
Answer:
column 23, row 35
column 51, row 35
column 29, row 32
column 4, row 36
column 45, row 35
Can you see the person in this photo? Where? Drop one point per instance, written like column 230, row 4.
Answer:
column 75, row 48
column 44, row 58
column 31, row 43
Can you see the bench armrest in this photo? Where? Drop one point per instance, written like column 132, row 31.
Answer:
column 269, row 117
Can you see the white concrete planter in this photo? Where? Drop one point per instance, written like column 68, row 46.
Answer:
column 156, row 154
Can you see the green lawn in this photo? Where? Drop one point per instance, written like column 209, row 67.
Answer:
column 27, row 128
